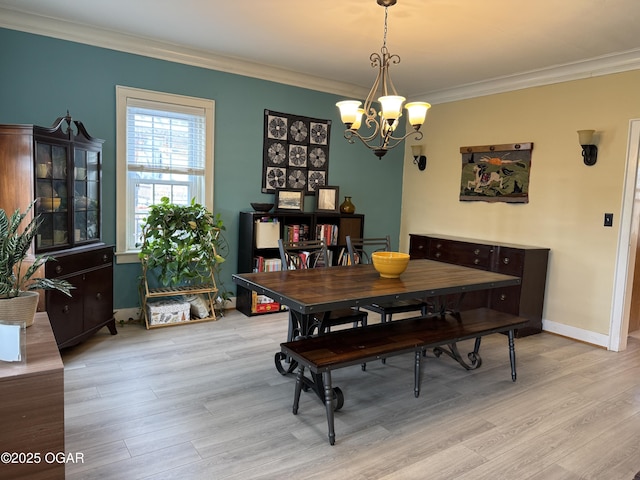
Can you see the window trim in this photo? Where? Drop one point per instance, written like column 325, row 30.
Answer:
column 122, row 95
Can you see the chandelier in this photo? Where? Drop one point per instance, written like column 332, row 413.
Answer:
column 381, row 125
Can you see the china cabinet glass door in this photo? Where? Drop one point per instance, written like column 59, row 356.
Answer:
column 67, row 186
column 52, row 195
column 86, row 201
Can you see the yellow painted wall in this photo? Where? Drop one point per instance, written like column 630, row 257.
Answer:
column 567, row 199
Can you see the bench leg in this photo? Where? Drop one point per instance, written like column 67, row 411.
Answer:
column 328, row 401
column 512, row 355
column 416, row 373
column 296, row 395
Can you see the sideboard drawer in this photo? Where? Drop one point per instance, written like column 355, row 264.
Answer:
column 509, row 261
column 418, row 246
column 460, row 253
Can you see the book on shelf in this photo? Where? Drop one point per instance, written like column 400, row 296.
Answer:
column 327, row 232
column 320, row 261
column 263, row 303
column 295, row 233
column 262, row 264
column 344, row 258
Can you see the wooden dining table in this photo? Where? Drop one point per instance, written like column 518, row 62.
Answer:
column 316, row 290
column 310, row 293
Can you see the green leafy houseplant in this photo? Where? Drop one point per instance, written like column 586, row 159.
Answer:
column 16, row 274
column 181, row 243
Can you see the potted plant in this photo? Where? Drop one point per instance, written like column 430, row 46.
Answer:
column 18, row 298
column 182, row 245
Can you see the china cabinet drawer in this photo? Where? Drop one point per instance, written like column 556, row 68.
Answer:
column 69, row 263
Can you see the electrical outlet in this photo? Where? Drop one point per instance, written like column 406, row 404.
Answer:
column 608, row 219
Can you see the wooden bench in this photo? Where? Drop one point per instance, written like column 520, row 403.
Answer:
column 324, row 353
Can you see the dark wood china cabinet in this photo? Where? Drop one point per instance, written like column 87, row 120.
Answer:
column 63, row 168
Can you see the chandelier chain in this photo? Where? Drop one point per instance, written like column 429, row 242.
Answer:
column 384, row 38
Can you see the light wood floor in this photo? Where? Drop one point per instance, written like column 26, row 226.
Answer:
column 204, row 401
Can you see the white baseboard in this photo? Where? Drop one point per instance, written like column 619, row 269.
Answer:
column 576, row 333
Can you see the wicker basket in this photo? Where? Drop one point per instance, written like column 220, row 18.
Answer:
column 21, row 308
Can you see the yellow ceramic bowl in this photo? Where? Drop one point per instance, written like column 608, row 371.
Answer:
column 390, row 264
column 50, row 204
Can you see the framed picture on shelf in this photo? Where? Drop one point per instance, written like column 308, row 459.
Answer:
column 289, row 200
column 327, row 199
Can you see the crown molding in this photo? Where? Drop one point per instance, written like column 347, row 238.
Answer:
column 61, row 29
column 594, row 67
column 90, row 35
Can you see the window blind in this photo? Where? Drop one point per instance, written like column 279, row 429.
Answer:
column 171, row 140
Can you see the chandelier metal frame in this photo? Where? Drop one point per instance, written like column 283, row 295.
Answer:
column 381, row 138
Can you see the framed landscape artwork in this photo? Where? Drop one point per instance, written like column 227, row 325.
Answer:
column 289, row 200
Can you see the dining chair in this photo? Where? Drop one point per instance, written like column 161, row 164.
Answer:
column 314, row 254
column 359, row 251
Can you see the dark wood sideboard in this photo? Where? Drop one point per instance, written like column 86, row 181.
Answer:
column 527, row 262
column 32, row 409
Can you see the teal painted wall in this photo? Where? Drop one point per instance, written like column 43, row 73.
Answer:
column 42, row 78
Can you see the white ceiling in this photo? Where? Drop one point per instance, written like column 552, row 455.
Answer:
column 446, row 46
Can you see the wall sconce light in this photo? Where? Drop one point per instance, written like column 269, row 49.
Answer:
column 589, row 150
column 418, row 158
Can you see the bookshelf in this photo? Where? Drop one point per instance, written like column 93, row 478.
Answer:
column 258, row 245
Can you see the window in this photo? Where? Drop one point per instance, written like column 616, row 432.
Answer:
column 164, row 149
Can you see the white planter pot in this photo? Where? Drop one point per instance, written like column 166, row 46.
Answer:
column 21, row 308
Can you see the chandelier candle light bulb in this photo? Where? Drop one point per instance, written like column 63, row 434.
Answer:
column 391, row 107
column 417, row 113
column 349, row 112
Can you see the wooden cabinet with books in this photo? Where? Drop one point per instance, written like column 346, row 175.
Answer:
column 258, row 245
